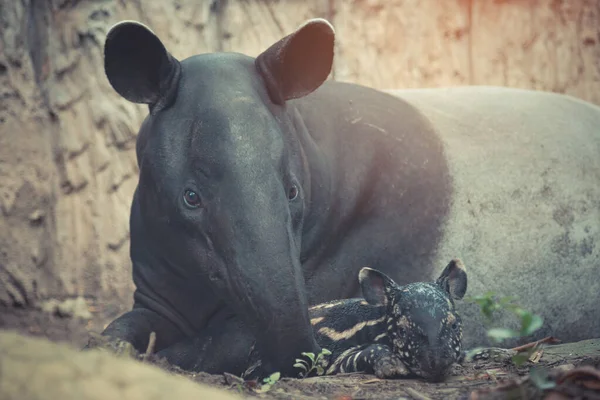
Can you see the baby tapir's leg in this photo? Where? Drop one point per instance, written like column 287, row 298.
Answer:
column 372, row 359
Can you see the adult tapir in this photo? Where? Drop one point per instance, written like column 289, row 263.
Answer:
column 264, row 189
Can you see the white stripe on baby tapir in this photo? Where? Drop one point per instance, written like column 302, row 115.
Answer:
column 339, row 360
column 326, row 305
column 348, row 333
column 356, row 359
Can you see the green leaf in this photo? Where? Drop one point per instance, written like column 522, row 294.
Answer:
column 263, row 389
column 320, row 370
column 526, row 318
column 299, row 365
column 540, row 378
column 506, row 300
column 325, row 352
column 535, row 324
column 520, row 359
column 520, row 312
column 273, row 378
column 309, row 355
column 500, row 334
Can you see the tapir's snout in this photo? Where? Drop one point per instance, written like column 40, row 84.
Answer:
column 435, row 364
column 260, row 269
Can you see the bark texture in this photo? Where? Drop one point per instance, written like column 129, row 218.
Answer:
column 67, row 162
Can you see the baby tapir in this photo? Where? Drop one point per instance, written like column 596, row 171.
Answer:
column 399, row 331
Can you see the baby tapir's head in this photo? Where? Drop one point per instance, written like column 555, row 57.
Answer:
column 423, row 326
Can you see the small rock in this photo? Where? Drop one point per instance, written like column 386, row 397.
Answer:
column 50, row 306
column 37, row 216
column 76, row 308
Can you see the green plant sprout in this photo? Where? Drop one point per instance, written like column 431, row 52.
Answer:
column 268, row 382
column 530, row 322
column 315, row 363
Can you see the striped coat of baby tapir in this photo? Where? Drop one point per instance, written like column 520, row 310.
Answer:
column 395, row 331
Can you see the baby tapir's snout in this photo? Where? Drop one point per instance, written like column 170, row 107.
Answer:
column 435, row 362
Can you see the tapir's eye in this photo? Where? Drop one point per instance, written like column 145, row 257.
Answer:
column 293, row 192
column 191, row 199
column 455, row 326
column 401, row 331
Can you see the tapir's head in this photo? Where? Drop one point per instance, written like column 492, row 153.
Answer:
column 224, row 185
column 424, row 327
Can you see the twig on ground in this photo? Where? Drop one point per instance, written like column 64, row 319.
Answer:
column 370, row 381
column 548, row 339
column 151, row 346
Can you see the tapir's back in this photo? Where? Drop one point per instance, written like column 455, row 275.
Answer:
column 513, row 189
column 525, row 213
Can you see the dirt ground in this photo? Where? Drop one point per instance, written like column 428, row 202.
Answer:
column 574, row 366
column 572, row 369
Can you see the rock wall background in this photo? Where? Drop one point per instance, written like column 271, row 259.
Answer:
column 67, row 161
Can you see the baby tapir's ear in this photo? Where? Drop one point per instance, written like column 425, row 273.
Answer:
column 454, row 279
column 299, row 63
column 376, row 286
column 138, row 66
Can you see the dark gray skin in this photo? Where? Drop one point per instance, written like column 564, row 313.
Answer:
column 395, row 331
column 257, row 194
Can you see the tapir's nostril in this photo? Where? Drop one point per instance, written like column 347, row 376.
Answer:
column 435, row 365
column 432, row 362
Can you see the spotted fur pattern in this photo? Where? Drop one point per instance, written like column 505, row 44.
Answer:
column 396, row 331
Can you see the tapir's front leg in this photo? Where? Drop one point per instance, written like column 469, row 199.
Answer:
column 372, row 359
column 134, row 328
column 223, row 346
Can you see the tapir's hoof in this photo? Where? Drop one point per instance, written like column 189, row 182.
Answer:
column 116, row 346
column 390, row 367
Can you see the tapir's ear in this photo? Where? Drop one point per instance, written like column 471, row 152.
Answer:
column 138, row 66
column 453, row 279
column 376, row 286
column 299, row 63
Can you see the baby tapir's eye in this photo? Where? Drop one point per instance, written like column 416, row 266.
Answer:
column 401, row 331
column 454, row 326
